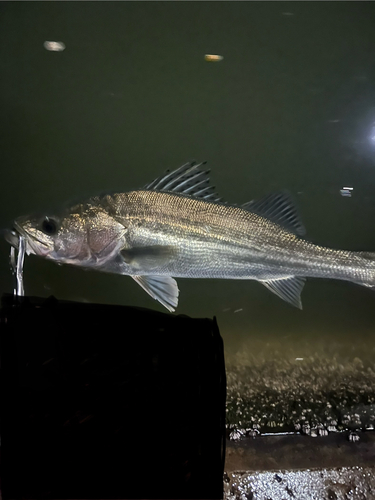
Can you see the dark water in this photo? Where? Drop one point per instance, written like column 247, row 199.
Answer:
column 291, row 105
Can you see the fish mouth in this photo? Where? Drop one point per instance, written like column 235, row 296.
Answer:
column 17, row 229
column 33, row 244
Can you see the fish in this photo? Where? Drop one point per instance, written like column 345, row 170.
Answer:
column 178, row 227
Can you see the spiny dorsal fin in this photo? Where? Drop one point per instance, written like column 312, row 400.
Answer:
column 278, row 208
column 187, row 179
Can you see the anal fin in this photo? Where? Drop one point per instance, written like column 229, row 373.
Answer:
column 288, row 289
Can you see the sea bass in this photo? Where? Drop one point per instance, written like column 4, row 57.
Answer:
column 177, row 226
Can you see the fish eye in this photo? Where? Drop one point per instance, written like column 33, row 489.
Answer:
column 49, row 226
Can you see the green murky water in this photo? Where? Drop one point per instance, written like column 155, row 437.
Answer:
column 290, row 106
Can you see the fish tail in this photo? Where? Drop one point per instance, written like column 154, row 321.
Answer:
column 368, row 270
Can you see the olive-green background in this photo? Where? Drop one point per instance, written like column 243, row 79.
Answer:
column 291, row 106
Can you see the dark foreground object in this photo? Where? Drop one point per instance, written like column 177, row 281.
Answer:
column 110, row 402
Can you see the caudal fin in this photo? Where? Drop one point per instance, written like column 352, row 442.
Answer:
column 368, row 269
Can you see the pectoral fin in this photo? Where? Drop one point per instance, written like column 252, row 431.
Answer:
column 288, row 289
column 161, row 288
column 148, row 258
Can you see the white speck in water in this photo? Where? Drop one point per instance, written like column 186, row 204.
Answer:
column 346, row 191
column 213, row 57
column 54, row 46
column 238, row 310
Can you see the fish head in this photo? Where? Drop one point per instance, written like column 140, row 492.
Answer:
column 82, row 235
column 51, row 236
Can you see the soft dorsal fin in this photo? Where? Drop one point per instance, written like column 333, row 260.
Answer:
column 188, row 179
column 278, row 208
